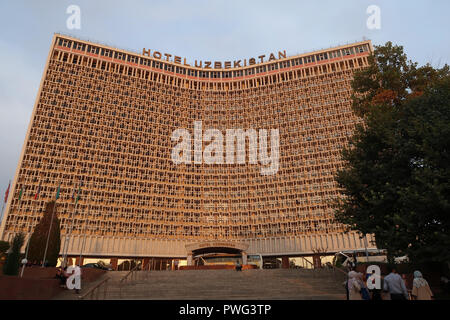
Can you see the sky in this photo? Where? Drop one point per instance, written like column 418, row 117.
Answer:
column 198, row 30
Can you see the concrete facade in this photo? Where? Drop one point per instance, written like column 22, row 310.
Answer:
column 102, row 124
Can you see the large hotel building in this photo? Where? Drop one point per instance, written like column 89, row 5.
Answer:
column 104, row 120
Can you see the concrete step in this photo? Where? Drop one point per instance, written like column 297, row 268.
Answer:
column 228, row 284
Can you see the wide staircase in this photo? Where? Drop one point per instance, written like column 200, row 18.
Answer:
column 270, row 284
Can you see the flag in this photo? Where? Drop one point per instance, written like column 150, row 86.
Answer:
column 20, row 193
column 58, row 191
column 78, row 191
column 37, row 193
column 7, row 192
column 78, row 194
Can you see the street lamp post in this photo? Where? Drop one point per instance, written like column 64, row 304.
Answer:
column 69, row 234
column 365, row 245
column 49, row 232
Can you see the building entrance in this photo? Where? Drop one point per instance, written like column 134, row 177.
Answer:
column 216, row 254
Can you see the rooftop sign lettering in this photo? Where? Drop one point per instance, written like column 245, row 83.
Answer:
column 215, row 64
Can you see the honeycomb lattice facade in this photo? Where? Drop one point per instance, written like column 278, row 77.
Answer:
column 104, row 118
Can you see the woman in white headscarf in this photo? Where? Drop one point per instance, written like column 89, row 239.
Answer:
column 421, row 290
column 354, row 286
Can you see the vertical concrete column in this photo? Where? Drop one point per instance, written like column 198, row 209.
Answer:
column 285, row 262
column 189, row 259
column 145, row 263
column 78, row 262
column 114, row 262
column 317, row 261
column 244, row 257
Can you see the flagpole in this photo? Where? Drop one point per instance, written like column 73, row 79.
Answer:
column 51, row 224
column 19, row 206
column 365, row 245
column 48, row 236
column 67, row 238
column 63, row 264
column 26, row 253
column 4, row 202
column 89, row 207
column 1, row 215
column 84, row 225
column 29, row 233
column 69, row 234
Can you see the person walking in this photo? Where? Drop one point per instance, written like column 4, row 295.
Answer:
column 345, row 284
column 73, row 278
column 354, row 286
column 77, row 273
column 374, row 278
column 421, row 290
column 238, row 266
column 394, row 284
column 364, row 291
column 61, row 276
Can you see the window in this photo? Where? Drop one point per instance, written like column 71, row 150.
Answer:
column 119, row 56
column 80, row 46
column 192, row 73
column 157, row 65
column 361, row 49
column 310, row 59
column 285, row 64
column 168, row 67
column 249, row 72
column 335, row 54
column 132, row 59
column 146, row 62
column 180, row 70
column 347, row 52
column 261, row 69
column 322, row 56
column 297, row 62
column 273, row 66
column 92, row 49
column 64, row 43
column 106, row 53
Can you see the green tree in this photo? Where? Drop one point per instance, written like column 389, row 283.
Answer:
column 12, row 263
column 391, row 80
column 396, row 181
column 38, row 239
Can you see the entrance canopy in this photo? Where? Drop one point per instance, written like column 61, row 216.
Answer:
column 216, row 247
column 208, row 247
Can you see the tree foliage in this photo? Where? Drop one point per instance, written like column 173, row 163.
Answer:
column 4, row 246
column 391, row 80
column 12, row 263
column 38, row 239
column 396, row 184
